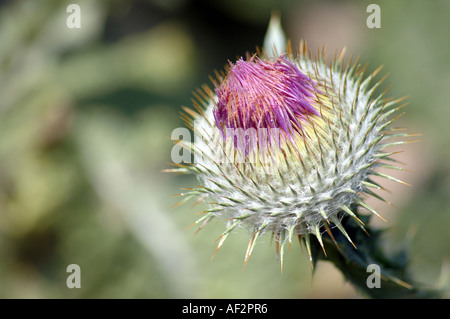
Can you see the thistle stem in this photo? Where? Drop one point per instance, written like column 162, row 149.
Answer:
column 395, row 281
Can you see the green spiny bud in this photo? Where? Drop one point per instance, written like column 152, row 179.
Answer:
column 287, row 145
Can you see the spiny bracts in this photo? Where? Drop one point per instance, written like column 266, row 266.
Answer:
column 287, row 145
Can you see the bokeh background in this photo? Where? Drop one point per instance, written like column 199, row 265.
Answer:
column 86, row 117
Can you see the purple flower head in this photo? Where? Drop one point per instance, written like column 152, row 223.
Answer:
column 326, row 135
column 264, row 94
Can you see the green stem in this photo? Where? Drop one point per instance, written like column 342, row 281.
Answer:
column 394, row 281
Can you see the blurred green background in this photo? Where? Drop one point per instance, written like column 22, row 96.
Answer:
column 85, row 122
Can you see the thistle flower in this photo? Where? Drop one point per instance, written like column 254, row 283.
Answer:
column 288, row 145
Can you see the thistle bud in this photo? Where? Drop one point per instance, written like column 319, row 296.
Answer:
column 288, row 145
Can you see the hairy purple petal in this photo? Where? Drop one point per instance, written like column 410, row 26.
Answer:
column 264, row 94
